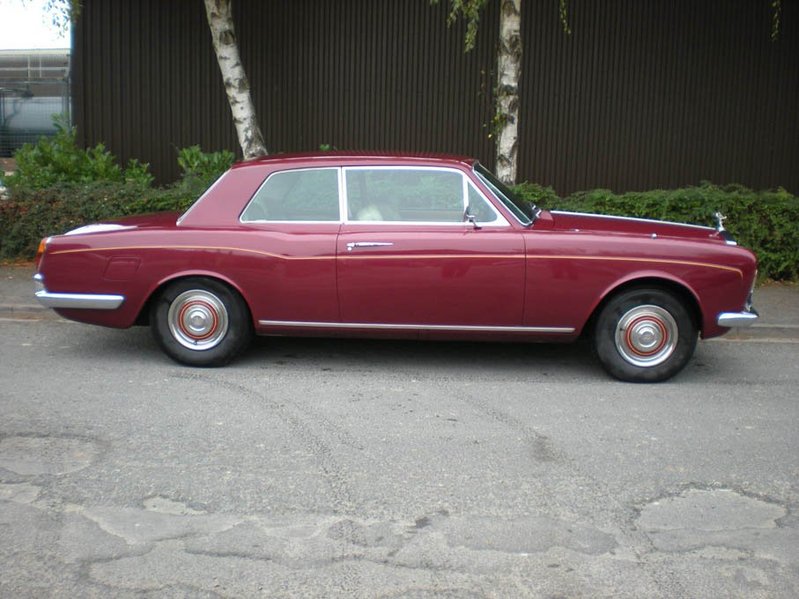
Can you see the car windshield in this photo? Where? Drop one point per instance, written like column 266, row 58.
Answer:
column 526, row 212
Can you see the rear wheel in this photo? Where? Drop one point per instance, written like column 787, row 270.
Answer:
column 644, row 335
column 200, row 322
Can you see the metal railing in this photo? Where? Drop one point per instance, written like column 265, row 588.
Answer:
column 34, row 87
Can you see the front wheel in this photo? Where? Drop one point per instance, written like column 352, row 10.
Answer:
column 644, row 335
column 200, row 322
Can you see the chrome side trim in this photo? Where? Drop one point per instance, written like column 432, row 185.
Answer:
column 413, row 327
column 633, row 218
column 84, row 301
column 736, row 319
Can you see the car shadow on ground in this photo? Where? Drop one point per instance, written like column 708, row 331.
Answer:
column 445, row 358
column 530, row 362
column 426, row 356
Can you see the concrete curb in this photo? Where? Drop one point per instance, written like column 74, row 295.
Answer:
column 22, row 308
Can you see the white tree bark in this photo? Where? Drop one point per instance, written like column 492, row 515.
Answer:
column 237, row 86
column 509, row 58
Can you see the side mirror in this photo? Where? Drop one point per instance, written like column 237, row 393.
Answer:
column 471, row 218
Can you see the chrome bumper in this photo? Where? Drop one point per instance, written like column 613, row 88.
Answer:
column 83, row 301
column 737, row 319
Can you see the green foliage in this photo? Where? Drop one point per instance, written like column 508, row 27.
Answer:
column 469, row 10
column 776, row 10
column 62, row 13
column 59, row 186
column 564, row 17
column 138, row 173
column 543, row 197
column 200, row 169
column 32, row 214
column 767, row 222
column 58, row 160
column 35, row 213
column 55, row 160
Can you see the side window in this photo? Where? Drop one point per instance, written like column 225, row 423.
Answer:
column 404, row 195
column 301, row 195
column 478, row 206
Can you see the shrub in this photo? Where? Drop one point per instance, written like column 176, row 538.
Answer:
column 58, row 160
column 543, row 197
column 767, row 222
column 200, row 169
column 58, row 187
column 32, row 214
column 35, row 213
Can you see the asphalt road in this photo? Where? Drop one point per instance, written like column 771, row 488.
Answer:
column 385, row 469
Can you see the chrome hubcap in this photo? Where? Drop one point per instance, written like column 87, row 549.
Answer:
column 198, row 319
column 646, row 335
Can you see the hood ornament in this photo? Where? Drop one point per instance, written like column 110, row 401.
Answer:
column 720, row 218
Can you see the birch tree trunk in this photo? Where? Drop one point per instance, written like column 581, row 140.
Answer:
column 237, row 86
column 509, row 58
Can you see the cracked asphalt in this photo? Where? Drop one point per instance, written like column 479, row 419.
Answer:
column 323, row 468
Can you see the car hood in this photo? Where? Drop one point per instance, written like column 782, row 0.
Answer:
column 572, row 221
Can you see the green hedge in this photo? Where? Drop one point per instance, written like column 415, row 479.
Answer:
column 59, row 186
column 766, row 222
column 32, row 214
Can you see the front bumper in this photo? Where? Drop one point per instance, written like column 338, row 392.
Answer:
column 81, row 301
column 737, row 319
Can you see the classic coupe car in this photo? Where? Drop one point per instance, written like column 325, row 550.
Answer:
column 414, row 246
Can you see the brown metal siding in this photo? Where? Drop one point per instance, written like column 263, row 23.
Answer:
column 641, row 95
column 660, row 94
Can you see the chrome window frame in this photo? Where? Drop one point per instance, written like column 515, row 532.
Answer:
column 337, row 221
column 490, row 188
column 500, row 222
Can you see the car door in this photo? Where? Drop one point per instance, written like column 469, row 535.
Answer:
column 294, row 219
column 407, row 257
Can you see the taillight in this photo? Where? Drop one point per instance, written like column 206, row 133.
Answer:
column 40, row 251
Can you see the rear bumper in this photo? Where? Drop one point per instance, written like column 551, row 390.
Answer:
column 84, row 301
column 737, row 319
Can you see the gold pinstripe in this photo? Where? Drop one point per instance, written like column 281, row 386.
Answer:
column 738, row 271
column 192, row 247
column 410, row 256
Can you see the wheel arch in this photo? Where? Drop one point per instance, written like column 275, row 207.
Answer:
column 676, row 287
column 143, row 317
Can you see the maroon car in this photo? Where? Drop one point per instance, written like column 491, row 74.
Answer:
column 424, row 247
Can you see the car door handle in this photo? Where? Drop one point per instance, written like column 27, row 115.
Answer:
column 367, row 244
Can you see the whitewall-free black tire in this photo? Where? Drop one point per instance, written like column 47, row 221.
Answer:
column 645, row 335
column 200, row 322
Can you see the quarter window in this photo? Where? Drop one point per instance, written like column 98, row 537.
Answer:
column 298, row 195
column 479, row 207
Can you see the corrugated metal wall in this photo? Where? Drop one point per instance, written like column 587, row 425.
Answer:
column 641, row 95
column 660, row 94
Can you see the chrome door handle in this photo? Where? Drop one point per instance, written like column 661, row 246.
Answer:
column 367, row 244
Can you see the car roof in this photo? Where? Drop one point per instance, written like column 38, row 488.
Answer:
column 338, row 157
